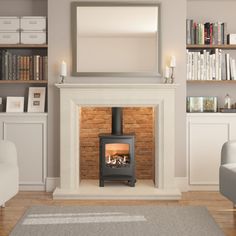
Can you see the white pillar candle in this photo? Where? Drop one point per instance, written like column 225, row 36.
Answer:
column 167, row 72
column 63, row 68
column 173, row 61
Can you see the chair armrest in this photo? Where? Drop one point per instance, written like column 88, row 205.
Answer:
column 8, row 152
column 228, row 152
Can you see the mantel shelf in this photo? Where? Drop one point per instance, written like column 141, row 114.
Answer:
column 224, row 46
column 211, row 81
column 15, row 46
column 23, row 81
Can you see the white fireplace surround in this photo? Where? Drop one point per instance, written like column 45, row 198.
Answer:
column 75, row 96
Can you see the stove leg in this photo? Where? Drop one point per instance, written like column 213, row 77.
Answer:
column 132, row 182
column 101, row 183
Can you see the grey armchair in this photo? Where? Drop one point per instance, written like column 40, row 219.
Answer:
column 228, row 171
column 9, row 173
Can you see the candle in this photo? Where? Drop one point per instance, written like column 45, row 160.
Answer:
column 63, row 69
column 167, row 72
column 172, row 61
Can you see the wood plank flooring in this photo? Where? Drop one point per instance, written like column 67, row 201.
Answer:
column 221, row 209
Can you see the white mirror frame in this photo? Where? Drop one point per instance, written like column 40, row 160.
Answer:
column 74, row 6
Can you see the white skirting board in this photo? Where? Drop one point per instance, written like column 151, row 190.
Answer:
column 52, row 183
column 182, row 183
column 31, row 187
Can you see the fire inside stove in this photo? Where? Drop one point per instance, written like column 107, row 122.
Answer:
column 117, row 155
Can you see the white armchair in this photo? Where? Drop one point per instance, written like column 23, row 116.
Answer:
column 228, row 171
column 9, row 173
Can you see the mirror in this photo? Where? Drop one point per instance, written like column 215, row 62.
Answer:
column 115, row 38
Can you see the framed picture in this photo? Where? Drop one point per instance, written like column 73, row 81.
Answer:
column 15, row 104
column 36, row 99
column 194, row 104
column 202, row 104
column 210, row 104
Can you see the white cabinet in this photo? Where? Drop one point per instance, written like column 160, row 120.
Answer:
column 206, row 134
column 29, row 133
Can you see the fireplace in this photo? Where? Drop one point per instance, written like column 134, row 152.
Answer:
column 73, row 97
column 116, row 152
column 117, row 158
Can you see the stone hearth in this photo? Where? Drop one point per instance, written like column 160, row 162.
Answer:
column 159, row 96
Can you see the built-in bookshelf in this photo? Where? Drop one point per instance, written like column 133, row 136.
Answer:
column 25, row 127
column 22, row 67
column 210, row 64
column 206, row 34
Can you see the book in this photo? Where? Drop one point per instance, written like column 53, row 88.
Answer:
column 232, row 69
column 227, row 60
column 45, row 68
column 206, row 33
column 36, row 67
column 189, row 26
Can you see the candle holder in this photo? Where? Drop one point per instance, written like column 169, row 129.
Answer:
column 166, row 80
column 172, row 78
column 62, row 79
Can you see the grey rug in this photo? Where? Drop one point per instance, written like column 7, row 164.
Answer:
column 117, row 221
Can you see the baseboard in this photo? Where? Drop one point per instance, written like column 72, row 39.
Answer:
column 203, row 187
column 31, row 187
column 182, row 184
column 52, row 183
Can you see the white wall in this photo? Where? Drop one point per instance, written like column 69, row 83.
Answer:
column 173, row 43
column 23, row 7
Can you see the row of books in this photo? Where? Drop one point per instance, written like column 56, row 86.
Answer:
column 210, row 65
column 20, row 67
column 206, row 33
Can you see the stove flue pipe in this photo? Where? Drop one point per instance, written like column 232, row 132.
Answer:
column 117, row 121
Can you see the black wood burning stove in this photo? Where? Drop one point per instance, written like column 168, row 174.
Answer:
column 117, row 156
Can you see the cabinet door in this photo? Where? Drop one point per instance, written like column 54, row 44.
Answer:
column 28, row 138
column 205, row 143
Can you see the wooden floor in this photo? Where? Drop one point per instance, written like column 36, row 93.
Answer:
column 220, row 208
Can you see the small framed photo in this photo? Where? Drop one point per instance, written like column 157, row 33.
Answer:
column 194, row 104
column 15, row 104
column 202, row 104
column 36, row 99
column 210, row 104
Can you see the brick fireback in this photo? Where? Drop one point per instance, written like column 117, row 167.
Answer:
column 138, row 120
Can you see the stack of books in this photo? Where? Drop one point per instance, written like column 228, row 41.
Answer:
column 210, row 65
column 21, row 67
column 206, row 33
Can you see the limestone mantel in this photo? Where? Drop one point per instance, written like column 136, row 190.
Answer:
column 159, row 96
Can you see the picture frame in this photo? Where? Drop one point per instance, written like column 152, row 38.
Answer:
column 36, row 99
column 210, row 104
column 194, row 104
column 202, row 104
column 15, row 104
